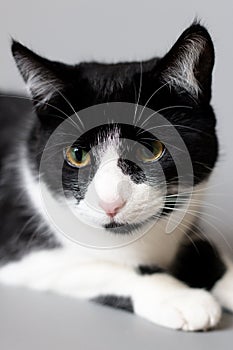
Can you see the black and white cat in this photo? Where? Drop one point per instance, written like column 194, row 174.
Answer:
column 177, row 280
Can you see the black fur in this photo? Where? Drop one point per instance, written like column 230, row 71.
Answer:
column 19, row 230
column 149, row 270
column 122, row 303
column 198, row 263
column 89, row 84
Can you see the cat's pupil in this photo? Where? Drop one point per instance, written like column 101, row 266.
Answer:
column 78, row 154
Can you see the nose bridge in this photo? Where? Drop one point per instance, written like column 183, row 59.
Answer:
column 107, row 181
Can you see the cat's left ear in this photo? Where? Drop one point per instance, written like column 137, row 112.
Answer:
column 42, row 77
column 188, row 66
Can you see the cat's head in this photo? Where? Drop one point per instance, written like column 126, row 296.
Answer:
column 131, row 171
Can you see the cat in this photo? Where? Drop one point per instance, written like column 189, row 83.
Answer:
column 173, row 277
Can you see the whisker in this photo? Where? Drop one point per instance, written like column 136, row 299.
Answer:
column 179, row 126
column 186, row 227
column 167, row 144
column 45, row 103
column 197, row 214
column 153, row 94
column 160, row 110
column 196, row 191
column 67, row 101
column 201, row 235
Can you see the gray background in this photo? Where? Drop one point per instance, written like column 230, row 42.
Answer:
column 110, row 31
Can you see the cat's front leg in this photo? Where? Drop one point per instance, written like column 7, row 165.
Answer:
column 159, row 298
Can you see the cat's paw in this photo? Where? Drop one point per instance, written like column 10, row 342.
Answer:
column 194, row 310
column 188, row 310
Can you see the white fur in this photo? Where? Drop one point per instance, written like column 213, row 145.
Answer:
column 223, row 290
column 166, row 301
column 83, row 272
column 153, row 248
column 41, row 84
column 109, row 183
column 159, row 298
column 43, row 89
column 181, row 73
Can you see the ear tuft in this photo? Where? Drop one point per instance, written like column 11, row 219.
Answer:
column 39, row 74
column 188, row 65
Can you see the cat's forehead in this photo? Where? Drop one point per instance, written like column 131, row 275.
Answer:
column 108, row 142
column 110, row 137
column 96, row 70
column 108, row 78
column 114, row 135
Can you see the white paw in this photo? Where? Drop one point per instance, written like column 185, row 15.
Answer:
column 223, row 289
column 188, row 310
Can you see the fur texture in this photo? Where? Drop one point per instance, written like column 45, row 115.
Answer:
column 159, row 276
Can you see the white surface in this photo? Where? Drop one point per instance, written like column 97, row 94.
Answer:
column 37, row 321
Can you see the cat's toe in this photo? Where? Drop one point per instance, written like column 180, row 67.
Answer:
column 196, row 309
column 188, row 310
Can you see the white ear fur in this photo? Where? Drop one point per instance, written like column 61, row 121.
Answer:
column 41, row 83
column 190, row 61
column 181, row 73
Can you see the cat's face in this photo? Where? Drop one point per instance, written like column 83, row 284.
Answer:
column 119, row 175
column 120, row 184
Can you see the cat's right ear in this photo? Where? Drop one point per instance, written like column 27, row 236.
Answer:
column 42, row 77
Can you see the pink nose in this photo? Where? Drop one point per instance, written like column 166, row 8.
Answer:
column 112, row 208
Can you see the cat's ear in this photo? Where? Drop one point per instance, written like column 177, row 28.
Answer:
column 188, row 65
column 40, row 75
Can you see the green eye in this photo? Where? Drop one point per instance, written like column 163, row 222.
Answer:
column 146, row 156
column 77, row 157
